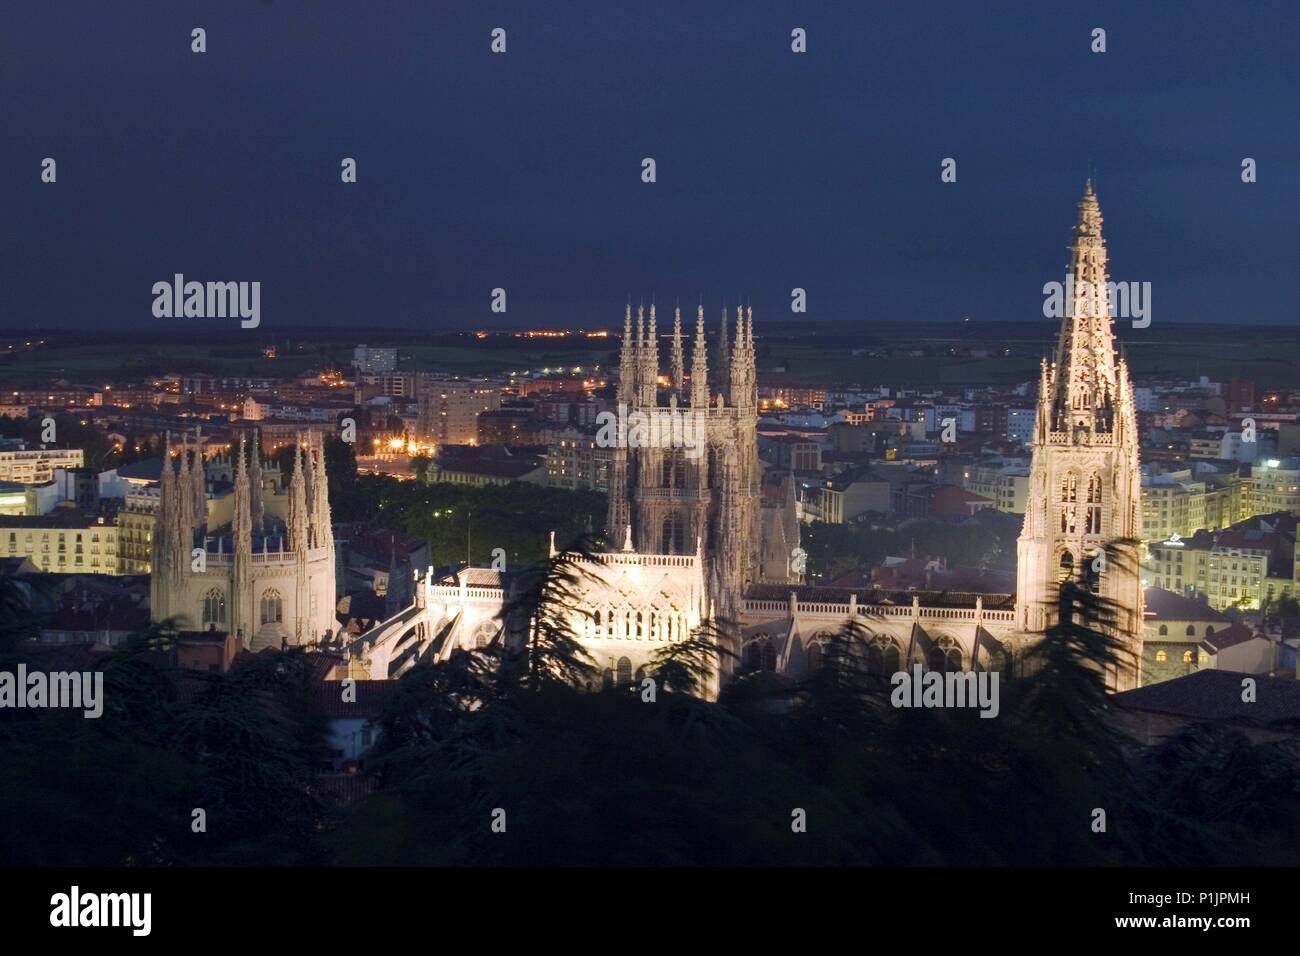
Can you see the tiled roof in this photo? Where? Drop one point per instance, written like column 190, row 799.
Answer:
column 150, row 469
column 1216, row 695
column 1228, row 637
column 1168, row 606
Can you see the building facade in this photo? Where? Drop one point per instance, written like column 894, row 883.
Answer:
column 36, row 465
column 449, row 410
column 698, row 491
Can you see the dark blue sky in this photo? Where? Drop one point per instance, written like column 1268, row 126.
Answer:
column 522, row 170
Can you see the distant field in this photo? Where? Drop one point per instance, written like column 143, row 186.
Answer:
column 789, row 352
column 1268, row 356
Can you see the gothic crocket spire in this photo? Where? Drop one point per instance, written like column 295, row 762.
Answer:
column 1084, row 386
column 678, row 356
column 700, row 364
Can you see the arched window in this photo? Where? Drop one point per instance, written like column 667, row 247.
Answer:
column 767, row 656
column 814, row 657
column 624, row 672
column 1070, row 488
column 1209, row 631
column 607, row 678
column 272, row 607
column 641, row 675
column 883, row 658
column 1094, row 505
column 1066, row 566
column 945, row 656
column 674, row 469
column 674, row 534
column 1187, row 657
column 1161, row 657
column 1164, row 630
column 484, row 633
column 214, row 607
column 1191, row 631
column 750, row 657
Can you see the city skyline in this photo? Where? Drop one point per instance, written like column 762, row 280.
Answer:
column 731, row 436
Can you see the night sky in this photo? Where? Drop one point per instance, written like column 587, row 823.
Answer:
column 523, row 170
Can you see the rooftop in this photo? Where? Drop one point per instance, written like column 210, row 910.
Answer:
column 1216, row 695
column 1165, row 605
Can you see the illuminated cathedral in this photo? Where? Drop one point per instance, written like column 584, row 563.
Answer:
column 258, row 563
column 703, row 540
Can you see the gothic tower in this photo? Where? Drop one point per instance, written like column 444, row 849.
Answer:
column 700, row 495
column 268, row 576
column 1083, row 519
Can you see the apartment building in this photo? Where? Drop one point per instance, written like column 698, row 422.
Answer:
column 36, row 466
column 449, row 410
column 575, row 461
column 65, row 541
column 1005, row 483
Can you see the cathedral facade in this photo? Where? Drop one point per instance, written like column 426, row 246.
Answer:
column 697, row 521
column 265, row 573
column 700, row 491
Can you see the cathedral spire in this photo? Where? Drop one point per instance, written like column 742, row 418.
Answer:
column 700, row 364
column 241, row 522
column 321, row 518
column 741, row 378
column 257, row 503
column 298, row 521
column 1085, row 483
column 199, row 486
column 627, row 360
column 184, row 491
column 1084, row 380
column 723, row 370
column 648, row 377
column 678, row 356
